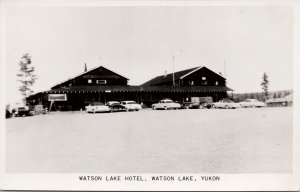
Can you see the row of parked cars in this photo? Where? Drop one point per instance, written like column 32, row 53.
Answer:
column 229, row 104
column 206, row 102
column 166, row 104
column 113, row 106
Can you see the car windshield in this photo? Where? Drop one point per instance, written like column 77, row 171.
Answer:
column 96, row 104
column 113, row 103
column 166, row 101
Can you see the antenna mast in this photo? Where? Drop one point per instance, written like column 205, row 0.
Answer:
column 173, row 71
column 225, row 68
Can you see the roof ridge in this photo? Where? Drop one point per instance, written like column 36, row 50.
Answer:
column 85, row 73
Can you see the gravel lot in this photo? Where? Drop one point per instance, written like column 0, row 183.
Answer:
column 173, row 141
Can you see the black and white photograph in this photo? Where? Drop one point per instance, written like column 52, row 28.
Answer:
column 113, row 94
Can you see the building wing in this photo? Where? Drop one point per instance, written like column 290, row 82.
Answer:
column 98, row 75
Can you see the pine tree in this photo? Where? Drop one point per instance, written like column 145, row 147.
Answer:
column 26, row 76
column 265, row 86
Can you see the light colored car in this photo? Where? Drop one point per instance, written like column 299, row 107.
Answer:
column 97, row 107
column 166, row 104
column 252, row 103
column 131, row 105
column 226, row 104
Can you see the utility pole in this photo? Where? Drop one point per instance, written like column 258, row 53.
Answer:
column 173, row 71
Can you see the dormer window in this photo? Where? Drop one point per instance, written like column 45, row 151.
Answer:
column 89, row 81
column 102, row 82
column 203, row 82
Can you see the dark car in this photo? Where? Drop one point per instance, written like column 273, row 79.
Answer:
column 21, row 111
column 115, row 106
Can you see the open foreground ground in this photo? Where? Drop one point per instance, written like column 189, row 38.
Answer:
column 173, row 141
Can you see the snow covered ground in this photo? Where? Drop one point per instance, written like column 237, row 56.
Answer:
column 252, row 140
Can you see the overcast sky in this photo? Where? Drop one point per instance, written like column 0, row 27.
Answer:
column 139, row 42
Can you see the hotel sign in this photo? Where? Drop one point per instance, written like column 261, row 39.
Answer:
column 57, row 97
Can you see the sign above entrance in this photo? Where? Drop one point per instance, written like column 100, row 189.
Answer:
column 57, row 97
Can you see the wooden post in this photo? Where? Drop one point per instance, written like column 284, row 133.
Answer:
column 51, row 104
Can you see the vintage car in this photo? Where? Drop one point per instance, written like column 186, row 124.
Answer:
column 115, row 106
column 252, row 103
column 197, row 103
column 226, row 104
column 21, row 111
column 131, row 105
column 97, row 107
column 166, row 104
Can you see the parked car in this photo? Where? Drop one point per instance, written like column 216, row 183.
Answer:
column 166, row 104
column 131, row 105
column 21, row 111
column 252, row 103
column 197, row 103
column 226, row 104
column 115, row 106
column 97, row 107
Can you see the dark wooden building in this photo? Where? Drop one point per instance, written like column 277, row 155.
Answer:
column 102, row 85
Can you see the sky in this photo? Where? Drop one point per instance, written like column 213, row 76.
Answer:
column 139, row 43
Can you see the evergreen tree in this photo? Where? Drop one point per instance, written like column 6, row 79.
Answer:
column 26, row 76
column 265, row 86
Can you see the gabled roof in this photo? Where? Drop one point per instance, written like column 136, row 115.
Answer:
column 177, row 75
column 169, row 77
column 95, row 68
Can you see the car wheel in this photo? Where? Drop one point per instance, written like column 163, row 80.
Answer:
column 153, row 108
column 166, row 108
column 226, row 107
column 187, row 107
column 127, row 109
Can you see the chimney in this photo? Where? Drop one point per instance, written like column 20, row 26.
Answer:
column 85, row 67
column 165, row 73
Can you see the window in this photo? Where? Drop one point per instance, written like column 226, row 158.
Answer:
column 89, row 81
column 101, row 81
column 217, row 83
column 203, row 82
column 191, row 82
